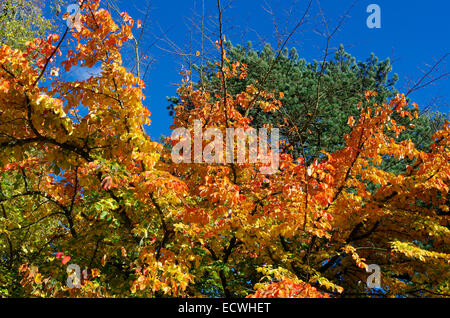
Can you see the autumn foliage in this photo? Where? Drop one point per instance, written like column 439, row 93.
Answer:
column 80, row 177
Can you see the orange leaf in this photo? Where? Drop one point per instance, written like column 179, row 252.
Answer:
column 124, row 251
column 65, row 260
column 351, row 121
column 103, row 261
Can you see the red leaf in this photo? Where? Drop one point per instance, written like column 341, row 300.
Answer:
column 65, row 260
column 351, row 121
column 106, row 184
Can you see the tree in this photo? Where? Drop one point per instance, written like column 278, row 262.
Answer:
column 23, row 20
column 83, row 184
column 316, row 103
column 68, row 197
column 317, row 225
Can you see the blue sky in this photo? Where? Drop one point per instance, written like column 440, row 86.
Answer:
column 413, row 34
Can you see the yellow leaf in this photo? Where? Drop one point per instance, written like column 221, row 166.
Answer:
column 124, row 251
column 351, row 121
column 38, row 278
column 103, row 261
